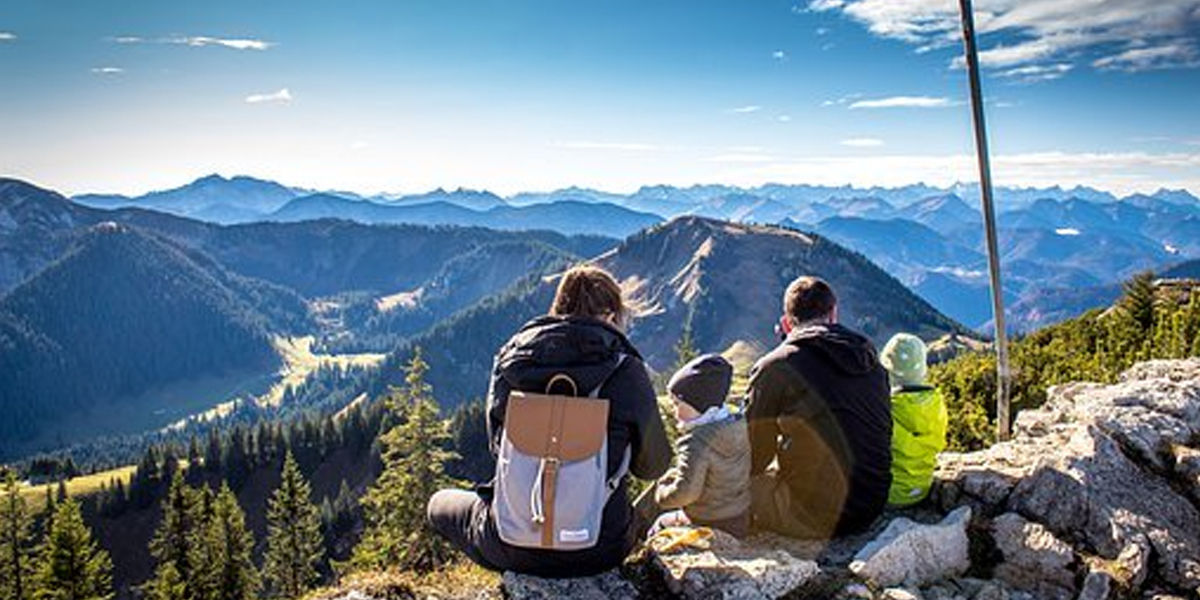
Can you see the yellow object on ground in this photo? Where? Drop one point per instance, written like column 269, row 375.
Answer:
column 673, row 538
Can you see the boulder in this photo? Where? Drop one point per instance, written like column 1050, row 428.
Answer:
column 606, row 586
column 724, row 567
column 1034, row 558
column 912, row 553
column 1097, row 467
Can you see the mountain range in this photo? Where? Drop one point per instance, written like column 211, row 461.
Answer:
column 722, row 281
column 928, row 237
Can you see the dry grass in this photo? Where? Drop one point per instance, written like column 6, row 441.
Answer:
column 461, row 580
column 77, row 487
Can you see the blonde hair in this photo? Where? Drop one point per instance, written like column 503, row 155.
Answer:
column 590, row 291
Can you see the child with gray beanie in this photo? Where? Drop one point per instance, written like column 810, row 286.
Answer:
column 709, row 483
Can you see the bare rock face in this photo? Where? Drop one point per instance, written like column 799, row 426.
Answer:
column 1034, row 558
column 606, row 586
column 913, row 554
column 723, row 567
column 1098, row 466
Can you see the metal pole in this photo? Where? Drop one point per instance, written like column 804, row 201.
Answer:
column 1003, row 378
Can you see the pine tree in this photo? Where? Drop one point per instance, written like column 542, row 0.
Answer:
column 16, row 542
column 224, row 569
column 295, row 547
column 171, row 545
column 72, row 565
column 166, row 585
column 685, row 348
column 414, row 456
column 1138, row 300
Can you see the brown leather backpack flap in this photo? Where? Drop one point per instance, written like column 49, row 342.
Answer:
column 538, row 423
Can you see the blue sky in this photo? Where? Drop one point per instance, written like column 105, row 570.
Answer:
column 538, row 94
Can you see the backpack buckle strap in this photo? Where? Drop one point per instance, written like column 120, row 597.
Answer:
column 549, row 477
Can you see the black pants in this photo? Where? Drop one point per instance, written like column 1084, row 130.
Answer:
column 464, row 518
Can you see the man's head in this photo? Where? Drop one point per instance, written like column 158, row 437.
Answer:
column 809, row 300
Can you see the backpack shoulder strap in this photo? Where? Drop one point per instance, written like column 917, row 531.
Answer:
column 595, row 393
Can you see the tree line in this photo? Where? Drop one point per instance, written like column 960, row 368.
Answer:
column 1151, row 320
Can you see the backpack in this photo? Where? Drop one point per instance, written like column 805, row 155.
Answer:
column 551, row 482
column 919, row 423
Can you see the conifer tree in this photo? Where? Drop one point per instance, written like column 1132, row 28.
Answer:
column 166, row 585
column 295, row 547
column 685, row 348
column 16, row 542
column 72, row 565
column 414, row 456
column 1138, row 300
column 224, row 569
column 171, row 545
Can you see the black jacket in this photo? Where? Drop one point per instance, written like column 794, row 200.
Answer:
column 820, row 402
column 588, row 351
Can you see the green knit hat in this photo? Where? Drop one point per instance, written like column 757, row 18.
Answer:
column 904, row 358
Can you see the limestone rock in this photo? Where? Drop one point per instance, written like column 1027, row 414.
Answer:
column 608, row 585
column 729, row 569
column 1034, row 558
column 914, row 554
column 1096, row 586
column 1099, row 467
column 901, row 594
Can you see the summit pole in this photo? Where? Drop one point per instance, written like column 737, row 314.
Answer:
column 1003, row 375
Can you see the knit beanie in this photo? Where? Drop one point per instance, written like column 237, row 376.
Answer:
column 904, row 358
column 703, row 382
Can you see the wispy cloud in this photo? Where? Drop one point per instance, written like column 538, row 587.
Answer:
column 741, row 157
column 784, row 118
column 862, row 142
column 903, row 102
column 1035, row 73
column 779, row 55
column 197, row 41
column 7, row 36
column 1168, row 56
column 602, row 145
column 1014, row 34
column 750, row 108
column 282, row 96
column 107, row 70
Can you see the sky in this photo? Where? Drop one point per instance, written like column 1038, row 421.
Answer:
column 532, row 95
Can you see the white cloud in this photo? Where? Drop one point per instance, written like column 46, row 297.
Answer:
column 741, row 157
column 7, row 36
column 197, row 41
column 779, row 55
column 1019, row 32
column 784, row 118
column 282, row 96
column 593, row 145
column 903, row 102
column 862, row 142
column 750, row 108
column 1067, row 231
column 107, row 70
column 1034, row 73
column 236, row 44
column 821, row 30
column 1168, row 56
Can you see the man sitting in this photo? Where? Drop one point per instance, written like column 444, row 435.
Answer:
column 820, row 423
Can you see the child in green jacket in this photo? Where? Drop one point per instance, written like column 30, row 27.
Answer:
column 919, row 420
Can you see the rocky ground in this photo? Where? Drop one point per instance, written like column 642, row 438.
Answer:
column 1096, row 496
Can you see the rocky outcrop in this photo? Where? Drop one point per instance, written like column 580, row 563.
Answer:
column 1098, row 467
column 915, row 554
column 1096, row 497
